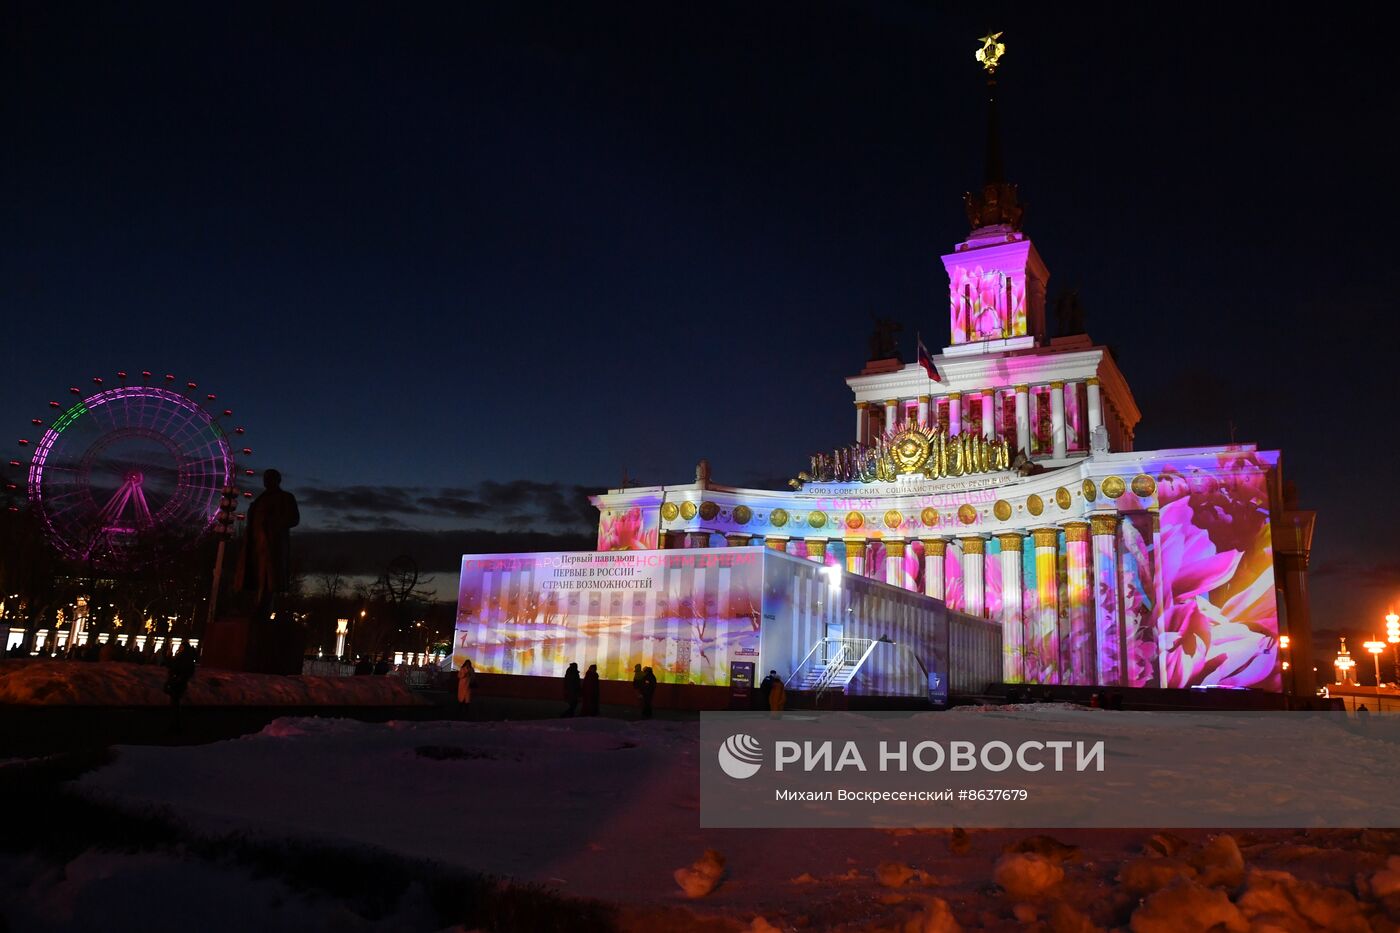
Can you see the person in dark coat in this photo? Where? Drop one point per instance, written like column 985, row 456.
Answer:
column 364, row 667
column 590, row 691
column 382, row 666
column 648, row 690
column 181, row 673
column 765, row 688
column 573, row 687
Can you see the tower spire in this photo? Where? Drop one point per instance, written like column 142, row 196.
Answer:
column 997, row 205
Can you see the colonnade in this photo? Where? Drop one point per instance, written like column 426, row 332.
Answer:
column 986, row 426
column 1087, row 645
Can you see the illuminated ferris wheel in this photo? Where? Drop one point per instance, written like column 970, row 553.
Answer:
column 132, row 474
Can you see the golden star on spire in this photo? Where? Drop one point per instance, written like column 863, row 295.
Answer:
column 991, row 52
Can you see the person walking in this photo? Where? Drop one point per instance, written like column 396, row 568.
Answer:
column 637, row 678
column 590, row 691
column 647, row 690
column 777, row 696
column 466, row 679
column 573, row 686
column 181, row 673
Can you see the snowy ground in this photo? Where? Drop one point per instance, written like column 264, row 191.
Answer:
column 608, row 809
column 110, row 683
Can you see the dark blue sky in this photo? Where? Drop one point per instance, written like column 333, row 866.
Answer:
column 422, row 248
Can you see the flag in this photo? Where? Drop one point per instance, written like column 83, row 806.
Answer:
column 926, row 361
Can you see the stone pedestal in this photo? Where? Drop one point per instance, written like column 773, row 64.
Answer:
column 264, row 646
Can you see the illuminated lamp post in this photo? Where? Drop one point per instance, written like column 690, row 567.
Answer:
column 342, row 628
column 1343, row 663
column 1392, row 635
column 1375, row 646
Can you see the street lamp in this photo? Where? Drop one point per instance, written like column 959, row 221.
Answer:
column 1376, row 646
column 1343, row 663
column 1392, row 635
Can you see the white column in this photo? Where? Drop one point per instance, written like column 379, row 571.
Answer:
column 923, row 411
column 855, row 556
column 989, row 398
column 1012, row 648
column 1080, row 593
column 934, row 576
column 1057, row 418
column 974, row 551
column 894, row 562
column 1023, row 419
column 1095, row 405
column 954, row 413
column 891, row 413
column 862, row 422
column 1108, row 622
column 1046, row 631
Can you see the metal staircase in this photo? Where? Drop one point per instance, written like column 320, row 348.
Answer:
column 830, row 669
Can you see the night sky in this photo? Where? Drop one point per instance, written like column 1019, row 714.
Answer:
column 455, row 266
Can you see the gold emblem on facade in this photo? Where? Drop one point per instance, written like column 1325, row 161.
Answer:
column 1091, row 492
column 893, row 518
column 817, row 519
column 1002, row 510
column 708, row 511
column 966, row 513
column 779, row 518
column 1034, row 505
column 1113, row 486
column 1062, row 498
column 1144, row 485
column 669, row 511
column 742, row 514
column 855, row 520
column 906, row 450
column 687, row 510
column 929, row 517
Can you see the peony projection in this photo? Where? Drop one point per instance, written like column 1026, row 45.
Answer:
column 987, row 304
column 1218, row 618
column 627, row 530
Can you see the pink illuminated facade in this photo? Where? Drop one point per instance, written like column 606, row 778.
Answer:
column 1105, row 565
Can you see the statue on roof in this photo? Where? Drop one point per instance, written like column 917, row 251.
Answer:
column 883, row 343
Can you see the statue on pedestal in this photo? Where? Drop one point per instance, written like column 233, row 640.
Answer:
column 264, row 567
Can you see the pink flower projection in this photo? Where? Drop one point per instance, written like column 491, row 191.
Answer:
column 953, row 594
column 983, row 307
column 1219, row 618
column 626, row 530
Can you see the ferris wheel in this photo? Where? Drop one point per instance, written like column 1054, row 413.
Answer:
column 132, row 474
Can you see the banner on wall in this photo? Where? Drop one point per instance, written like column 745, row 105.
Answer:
column 688, row 615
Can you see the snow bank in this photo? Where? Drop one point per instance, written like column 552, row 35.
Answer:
column 110, row 683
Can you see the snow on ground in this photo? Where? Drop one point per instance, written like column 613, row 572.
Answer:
column 111, row 683
column 608, row 809
column 156, row 892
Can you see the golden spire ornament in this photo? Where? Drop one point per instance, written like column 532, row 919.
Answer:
column 989, row 55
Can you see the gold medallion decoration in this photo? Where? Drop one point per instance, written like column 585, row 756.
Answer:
column 929, row 517
column 669, row 511
column 779, row 518
column 1034, row 505
column 708, row 511
column 1113, row 486
column 1091, row 492
column 817, row 519
column 742, row 514
column 855, row 520
column 967, row 514
column 1062, row 498
column 893, row 518
column 1144, row 485
column 909, row 451
column 687, row 510
column 1002, row 510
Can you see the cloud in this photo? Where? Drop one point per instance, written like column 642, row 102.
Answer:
column 519, row 503
column 369, row 552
